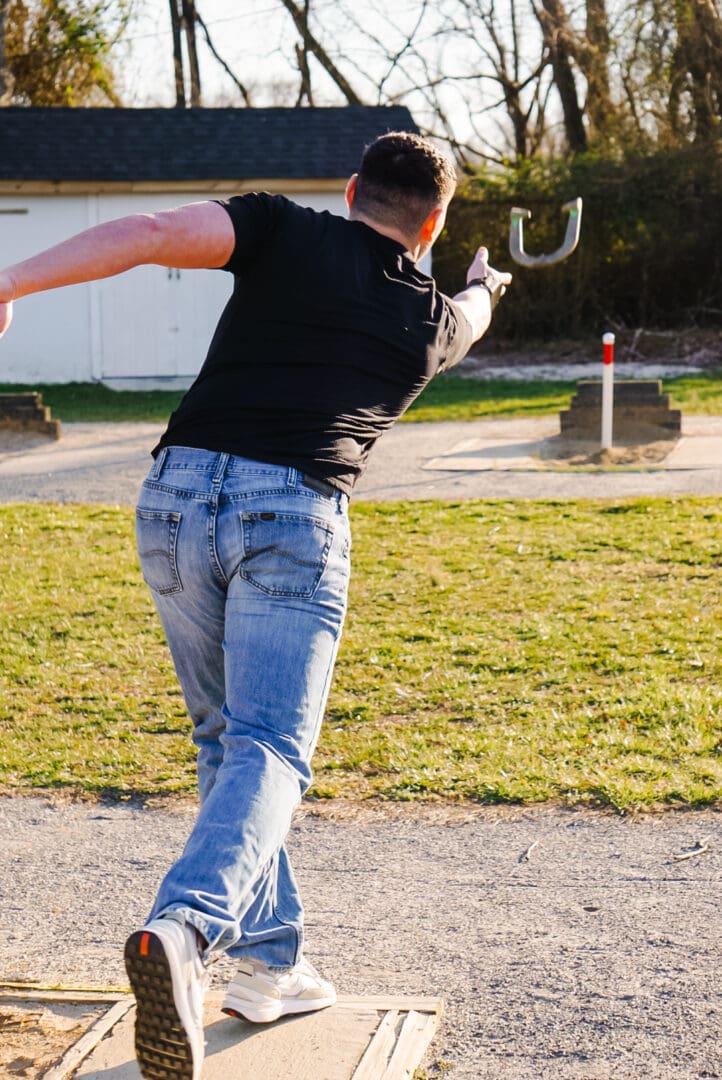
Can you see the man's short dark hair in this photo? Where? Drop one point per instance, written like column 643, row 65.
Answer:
column 402, row 178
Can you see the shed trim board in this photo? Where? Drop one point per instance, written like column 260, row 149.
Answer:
column 274, row 185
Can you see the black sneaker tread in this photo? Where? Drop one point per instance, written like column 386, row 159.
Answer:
column 162, row 1047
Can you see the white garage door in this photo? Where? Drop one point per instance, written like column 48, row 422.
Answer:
column 155, row 323
column 49, row 340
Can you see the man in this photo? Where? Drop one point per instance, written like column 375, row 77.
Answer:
column 242, row 528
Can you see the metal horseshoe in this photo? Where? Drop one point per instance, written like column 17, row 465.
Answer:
column 571, row 239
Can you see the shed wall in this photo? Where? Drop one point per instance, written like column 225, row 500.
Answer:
column 148, row 327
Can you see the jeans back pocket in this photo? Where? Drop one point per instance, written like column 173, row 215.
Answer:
column 157, row 537
column 284, row 554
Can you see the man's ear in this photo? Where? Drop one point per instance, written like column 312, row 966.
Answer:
column 351, row 190
column 432, row 226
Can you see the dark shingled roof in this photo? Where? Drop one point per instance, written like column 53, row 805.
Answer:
column 189, row 144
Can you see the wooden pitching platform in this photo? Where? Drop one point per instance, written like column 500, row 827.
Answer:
column 359, row 1038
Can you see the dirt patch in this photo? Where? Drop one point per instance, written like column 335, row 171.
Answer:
column 35, row 1035
column 579, row 454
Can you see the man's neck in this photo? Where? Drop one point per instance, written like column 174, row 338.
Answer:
column 387, row 230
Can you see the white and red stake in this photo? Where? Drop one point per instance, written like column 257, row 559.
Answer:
column 607, row 390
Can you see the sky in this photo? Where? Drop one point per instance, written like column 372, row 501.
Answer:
column 254, row 37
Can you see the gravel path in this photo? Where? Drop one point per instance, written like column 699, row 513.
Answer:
column 107, row 463
column 597, row 958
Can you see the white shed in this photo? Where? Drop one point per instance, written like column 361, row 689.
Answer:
column 63, row 170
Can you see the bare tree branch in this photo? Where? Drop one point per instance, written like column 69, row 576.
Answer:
column 395, row 59
column 312, row 45
column 243, row 90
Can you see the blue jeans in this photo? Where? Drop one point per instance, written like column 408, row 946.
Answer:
column 249, row 571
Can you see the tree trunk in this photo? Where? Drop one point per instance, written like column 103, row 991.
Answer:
column 518, row 116
column 697, row 66
column 600, row 111
column 6, row 77
column 189, row 24
column 558, row 37
column 709, row 21
column 175, row 22
column 305, row 90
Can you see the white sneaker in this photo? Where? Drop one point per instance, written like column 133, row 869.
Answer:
column 169, row 979
column 261, row 995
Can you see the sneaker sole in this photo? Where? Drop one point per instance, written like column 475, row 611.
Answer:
column 266, row 1014
column 162, row 1046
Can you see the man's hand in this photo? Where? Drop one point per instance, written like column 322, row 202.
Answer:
column 7, row 293
column 493, row 279
column 477, row 301
column 6, row 316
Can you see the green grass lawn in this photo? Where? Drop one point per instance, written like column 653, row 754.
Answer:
column 93, row 402
column 454, row 398
column 449, row 397
column 495, row 651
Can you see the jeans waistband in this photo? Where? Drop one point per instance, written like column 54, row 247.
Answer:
column 220, row 464
column 321, row 486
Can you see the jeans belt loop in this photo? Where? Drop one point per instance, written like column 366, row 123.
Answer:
column 220, row 470
column 157, row 467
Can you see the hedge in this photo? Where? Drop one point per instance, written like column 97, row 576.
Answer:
column 650, row 253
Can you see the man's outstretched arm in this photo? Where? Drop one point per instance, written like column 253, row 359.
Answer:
column 478, row 303
column 195, row 236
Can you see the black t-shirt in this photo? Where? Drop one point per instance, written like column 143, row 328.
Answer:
column 330, row 334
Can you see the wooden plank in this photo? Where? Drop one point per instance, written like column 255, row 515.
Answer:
column 377, row 1053
column 384, row 1002
column 84, row 995
column 416, row 1034
column 71, row 997
column 87, row 1043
